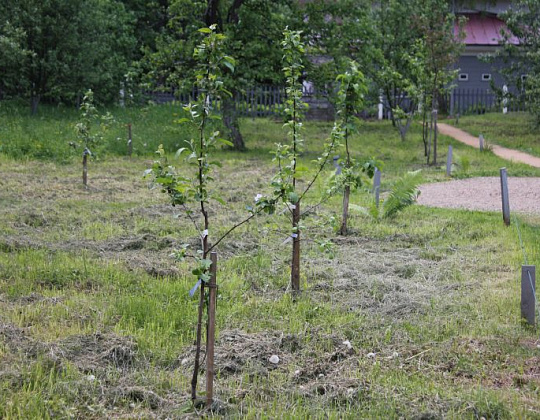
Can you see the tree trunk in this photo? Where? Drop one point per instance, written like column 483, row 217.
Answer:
column 346, row 195
column 230, row 119
column 295, row 264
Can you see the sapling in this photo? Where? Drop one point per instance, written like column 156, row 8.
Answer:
column 194, row 192
column 86, row 130
column 285, row 183
column 350, row 99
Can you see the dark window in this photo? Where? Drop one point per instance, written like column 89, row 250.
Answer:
column 463, row 77
column 486, row 77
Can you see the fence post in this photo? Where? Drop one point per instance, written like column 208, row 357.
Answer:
column 210, row 340
column 504, row 194
column 449, row 162
column 377, row 185
column 481, row 141
column 452, row 102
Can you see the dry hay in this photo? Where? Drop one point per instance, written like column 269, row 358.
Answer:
column 379, row 279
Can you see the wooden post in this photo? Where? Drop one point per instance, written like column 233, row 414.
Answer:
column 210, row 340
column 377, row 185
column 449, row 162
column 528, row 293
column 295, row 263
column 481, row 141
column 381, row 106
column 504, row 194
column 435, row 130
column 129, row 143
column 505, row 99
column 85, row 167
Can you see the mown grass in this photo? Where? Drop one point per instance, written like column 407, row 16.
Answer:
column 96, row 321
column 515, row 131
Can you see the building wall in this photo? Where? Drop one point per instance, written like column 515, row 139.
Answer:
column 474, row 68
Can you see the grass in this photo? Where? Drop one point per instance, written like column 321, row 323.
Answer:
column 515, row 131
column 96, row 321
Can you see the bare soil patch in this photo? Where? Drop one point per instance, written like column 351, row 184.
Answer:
column 482, row 193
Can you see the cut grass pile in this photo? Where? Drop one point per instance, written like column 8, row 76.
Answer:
column 417, row 316
column 515, row 131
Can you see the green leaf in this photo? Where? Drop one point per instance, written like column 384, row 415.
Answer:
column 205, row 30
column 226, row 142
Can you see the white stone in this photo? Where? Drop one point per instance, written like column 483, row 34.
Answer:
column 347, row 344
column 274, row 359
column 371, row 355
column 184, row 361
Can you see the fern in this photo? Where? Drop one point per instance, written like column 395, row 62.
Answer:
column 403, row 194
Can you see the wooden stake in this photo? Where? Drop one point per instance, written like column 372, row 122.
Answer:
column 197, row 345
column 504, row 194
column 295, row 263
column 528, row 296
column 211, row 332
column 85, row 168
column 130, row 143
column 481, row 141
column 377, row 185
column 345, row 216
column 449, row 162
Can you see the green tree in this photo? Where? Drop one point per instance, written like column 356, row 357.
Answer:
column 433, row 58
column 71, row 45
column 523, row 59
column 253, row 29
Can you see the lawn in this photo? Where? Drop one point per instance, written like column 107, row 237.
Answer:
column 411, row 317
column 516, row 130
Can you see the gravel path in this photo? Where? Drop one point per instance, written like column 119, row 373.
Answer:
column 483, row 194
column 503, row 152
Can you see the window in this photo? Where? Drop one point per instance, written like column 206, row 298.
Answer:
column 486, row 77
column 463, row 77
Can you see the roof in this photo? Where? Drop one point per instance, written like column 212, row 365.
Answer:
column 484, row 30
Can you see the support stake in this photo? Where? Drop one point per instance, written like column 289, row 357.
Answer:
column 377, row 185
column 211, row 333
column 504, row 194
column 449, row 162
column 129, row 143
column 528, row 296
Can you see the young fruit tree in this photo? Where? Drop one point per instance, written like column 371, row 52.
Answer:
column 350, row 99
column 194, row 192
column 86, row 130
column 286, row 182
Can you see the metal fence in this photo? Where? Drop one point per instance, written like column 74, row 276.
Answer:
column 265, row 100
column 480, row 101
column 258, row 101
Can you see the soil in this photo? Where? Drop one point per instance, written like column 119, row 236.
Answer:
column 483, row 193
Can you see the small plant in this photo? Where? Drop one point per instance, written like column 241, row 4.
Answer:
column 194, row 192
column 403, row 194
column 285, row 183
column 350, row 99
column 86, row 132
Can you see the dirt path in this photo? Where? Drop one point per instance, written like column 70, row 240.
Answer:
column 503, row 152
column 483, row 193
